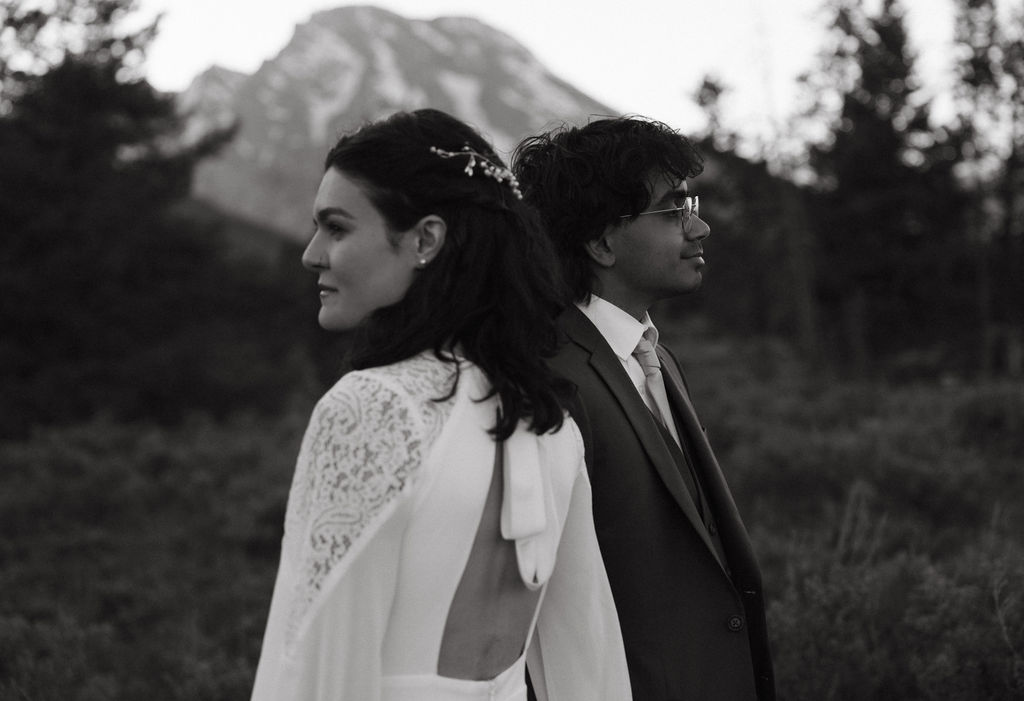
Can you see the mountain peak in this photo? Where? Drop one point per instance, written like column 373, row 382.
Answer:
column 216, row 77
column 351, row 64
column 355, row 11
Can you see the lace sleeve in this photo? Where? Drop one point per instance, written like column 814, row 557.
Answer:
column 359, row 454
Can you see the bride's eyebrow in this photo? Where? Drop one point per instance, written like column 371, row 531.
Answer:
column 328, row 211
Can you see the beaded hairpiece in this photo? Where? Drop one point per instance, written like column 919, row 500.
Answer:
column 489, row 167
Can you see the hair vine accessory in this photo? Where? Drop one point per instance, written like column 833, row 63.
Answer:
column 489, row 167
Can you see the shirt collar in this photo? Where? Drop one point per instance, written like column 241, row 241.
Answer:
column 620, row 330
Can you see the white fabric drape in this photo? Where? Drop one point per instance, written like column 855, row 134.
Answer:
column 387, row 495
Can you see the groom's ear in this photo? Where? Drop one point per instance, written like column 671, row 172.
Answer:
column 602, row 249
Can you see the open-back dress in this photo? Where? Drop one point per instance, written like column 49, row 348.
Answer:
column 423, row 560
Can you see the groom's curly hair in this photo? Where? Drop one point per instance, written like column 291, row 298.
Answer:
column 581, row 179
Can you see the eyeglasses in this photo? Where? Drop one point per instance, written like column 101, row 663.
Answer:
column 689, row 208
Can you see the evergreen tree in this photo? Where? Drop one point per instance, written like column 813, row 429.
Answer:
column 890, row 202
column 990, row 94
column 766, row 287
column 98, row 276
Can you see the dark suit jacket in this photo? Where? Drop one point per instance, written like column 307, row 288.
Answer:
column 694, row 626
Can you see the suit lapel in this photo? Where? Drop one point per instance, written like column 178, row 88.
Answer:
column 610, row 370
column 734, row 534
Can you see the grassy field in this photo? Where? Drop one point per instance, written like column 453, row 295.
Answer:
column 136, row 562
column 888, row 521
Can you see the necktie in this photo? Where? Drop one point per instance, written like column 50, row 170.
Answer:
column 657, row 402
column 655, row 383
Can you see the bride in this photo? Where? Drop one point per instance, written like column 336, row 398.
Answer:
column 438, row 537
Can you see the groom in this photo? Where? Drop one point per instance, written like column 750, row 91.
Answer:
column 614, row 197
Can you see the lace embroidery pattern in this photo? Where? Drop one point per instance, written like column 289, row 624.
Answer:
column 423, row 378
column 362, row 450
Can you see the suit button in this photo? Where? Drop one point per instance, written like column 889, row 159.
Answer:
column 735, row 623
column 712, row 529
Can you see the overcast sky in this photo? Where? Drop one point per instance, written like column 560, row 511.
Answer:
column 640, row 56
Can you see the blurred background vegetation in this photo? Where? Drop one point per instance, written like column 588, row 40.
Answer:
column 858, row 356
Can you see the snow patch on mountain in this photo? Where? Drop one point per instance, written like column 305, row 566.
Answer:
column 435, row 39
column 337, row 69
column 466, row 27
column 464, row 92
column 535, row 81
column 390, row 82
column 208, row 102
column 214, row 87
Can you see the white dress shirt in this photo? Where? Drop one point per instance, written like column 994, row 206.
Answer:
column 623, row 332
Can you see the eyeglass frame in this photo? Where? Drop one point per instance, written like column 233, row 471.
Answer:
column 685, row 212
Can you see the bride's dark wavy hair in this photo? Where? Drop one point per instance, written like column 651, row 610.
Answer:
column 493, row 290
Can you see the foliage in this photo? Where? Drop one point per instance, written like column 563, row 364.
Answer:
column 138, row 549
column 893, row 248
column 118, row 295
column 887, row 520
column 990, row 97
column 35, row 38
column 889, row 218
column 138, row 561
column 760, row 276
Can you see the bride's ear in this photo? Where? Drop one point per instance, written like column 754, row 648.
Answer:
column 428, row 238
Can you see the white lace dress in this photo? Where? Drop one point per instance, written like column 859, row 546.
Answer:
column 387, row 499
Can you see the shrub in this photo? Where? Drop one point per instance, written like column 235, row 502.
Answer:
column 153, row 547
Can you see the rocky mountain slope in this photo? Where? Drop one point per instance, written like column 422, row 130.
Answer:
column 351, row 64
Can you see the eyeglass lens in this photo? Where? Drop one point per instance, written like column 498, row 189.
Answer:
column 691, row 207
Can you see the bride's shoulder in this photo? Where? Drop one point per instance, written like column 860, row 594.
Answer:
column 416, row 386
column 422, row 374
